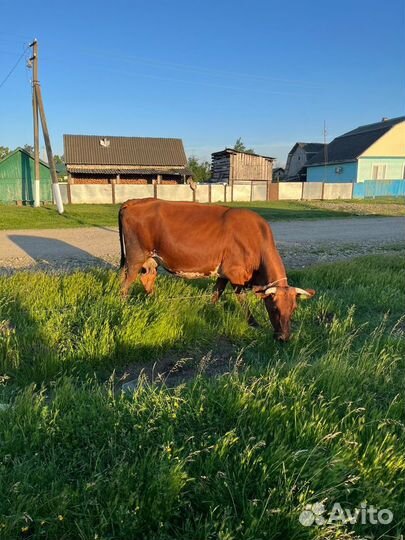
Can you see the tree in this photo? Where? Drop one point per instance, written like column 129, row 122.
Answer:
column 201, row 169
column 4, row 151
column 28, row 148
column 240, row 147
column 60, row 166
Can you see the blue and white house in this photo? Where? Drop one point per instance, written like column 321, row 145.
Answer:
column 370, row 152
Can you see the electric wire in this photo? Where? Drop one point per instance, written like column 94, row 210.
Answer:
column 13, row 68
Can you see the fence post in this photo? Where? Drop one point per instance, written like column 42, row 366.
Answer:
column 113, row 190
column 323, row 190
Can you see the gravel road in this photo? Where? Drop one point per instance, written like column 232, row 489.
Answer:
column 301, row 243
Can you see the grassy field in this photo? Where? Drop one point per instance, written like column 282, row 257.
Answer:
column 86, row 215
column 320, row 419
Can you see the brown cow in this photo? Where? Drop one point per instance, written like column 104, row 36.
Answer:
column 192, row 240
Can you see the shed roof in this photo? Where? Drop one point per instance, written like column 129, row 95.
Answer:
column 349, row 146
column 233, row 151
column 113, row 151
column 24, row 151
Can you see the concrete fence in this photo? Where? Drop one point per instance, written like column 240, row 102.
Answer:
column 243, row 192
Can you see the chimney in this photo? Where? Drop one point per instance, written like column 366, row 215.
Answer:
column 384, row 119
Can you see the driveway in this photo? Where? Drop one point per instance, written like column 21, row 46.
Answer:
column 301, row 242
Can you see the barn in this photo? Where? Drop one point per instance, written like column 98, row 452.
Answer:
column 17, row 178
column 103, row 159
column 235, row 167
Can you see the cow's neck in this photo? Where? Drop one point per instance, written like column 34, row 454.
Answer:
column 274, row 270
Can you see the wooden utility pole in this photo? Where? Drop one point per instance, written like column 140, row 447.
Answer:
column 38, row 106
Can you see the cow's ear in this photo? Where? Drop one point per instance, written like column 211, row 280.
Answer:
column 304, row 294
column 264, row 292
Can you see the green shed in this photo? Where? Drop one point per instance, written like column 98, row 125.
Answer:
column 17, row 178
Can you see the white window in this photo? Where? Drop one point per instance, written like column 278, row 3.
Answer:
column 379, row 172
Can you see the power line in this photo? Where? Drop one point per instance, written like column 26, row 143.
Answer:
column 13, row 68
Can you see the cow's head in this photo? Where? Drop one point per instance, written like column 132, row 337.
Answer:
column 281, row 303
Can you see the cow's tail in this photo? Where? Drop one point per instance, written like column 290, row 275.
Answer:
column 121, row 232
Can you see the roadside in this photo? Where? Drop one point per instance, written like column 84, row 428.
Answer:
column 301, row 243
column 96, row 215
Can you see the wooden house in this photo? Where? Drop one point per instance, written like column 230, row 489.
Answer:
column 233, row 167
column 94, row 159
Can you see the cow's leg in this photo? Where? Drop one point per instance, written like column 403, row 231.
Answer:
column 148, row 275
column 241, row 296
column 219, row 288
column 129, row 275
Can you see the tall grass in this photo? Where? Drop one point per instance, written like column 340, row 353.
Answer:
column 239, row 456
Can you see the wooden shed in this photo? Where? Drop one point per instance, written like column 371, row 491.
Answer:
column 17, row 178
column 103, row 159
column 233, row 167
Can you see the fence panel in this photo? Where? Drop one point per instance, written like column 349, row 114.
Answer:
column 358, row 191
column 174, row 192
column 91, row 193
column 337, row 191
column 312, row 190
column 123, row 192
column 290, row 191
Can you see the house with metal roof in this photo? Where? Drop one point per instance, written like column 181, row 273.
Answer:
column 17, row 177
column 370, row 152
column 298, row 157
column 104, row 159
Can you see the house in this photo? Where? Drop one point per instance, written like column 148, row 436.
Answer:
column 278, row 174
column 103, row 159
column 298, row 157
column 370, row 152
column 233, row 167
column 17, row 178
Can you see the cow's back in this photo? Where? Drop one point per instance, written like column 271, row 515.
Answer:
column 191, row 236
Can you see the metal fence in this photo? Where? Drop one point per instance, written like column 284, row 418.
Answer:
column 379, row 188
column 12, row 190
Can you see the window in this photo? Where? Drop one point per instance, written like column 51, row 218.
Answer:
column 378, row 172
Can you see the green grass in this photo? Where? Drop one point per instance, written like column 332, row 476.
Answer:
column 95, row 215
column 321, row 418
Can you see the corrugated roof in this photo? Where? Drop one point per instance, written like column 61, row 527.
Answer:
column 115, row 170
column 113, row 151
column 349, row 146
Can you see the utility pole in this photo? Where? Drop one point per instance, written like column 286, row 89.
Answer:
column 34, row 60
column 325, row 150
column 38, row 106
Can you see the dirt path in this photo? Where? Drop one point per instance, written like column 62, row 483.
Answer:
column 300, row 242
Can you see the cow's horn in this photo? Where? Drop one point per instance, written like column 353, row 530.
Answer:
column 302, row 292
column 270, row 290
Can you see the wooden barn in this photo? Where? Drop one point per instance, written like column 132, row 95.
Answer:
column 17, row 178
column 233, row 167
column 94, row 159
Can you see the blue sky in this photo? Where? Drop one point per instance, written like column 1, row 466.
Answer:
column 209, row 72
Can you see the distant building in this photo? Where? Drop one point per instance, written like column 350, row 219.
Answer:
column 94, row 159
column 370, row 152
column 298, row 157
column 17, row 178
column 232, row 167
column 278, row 174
